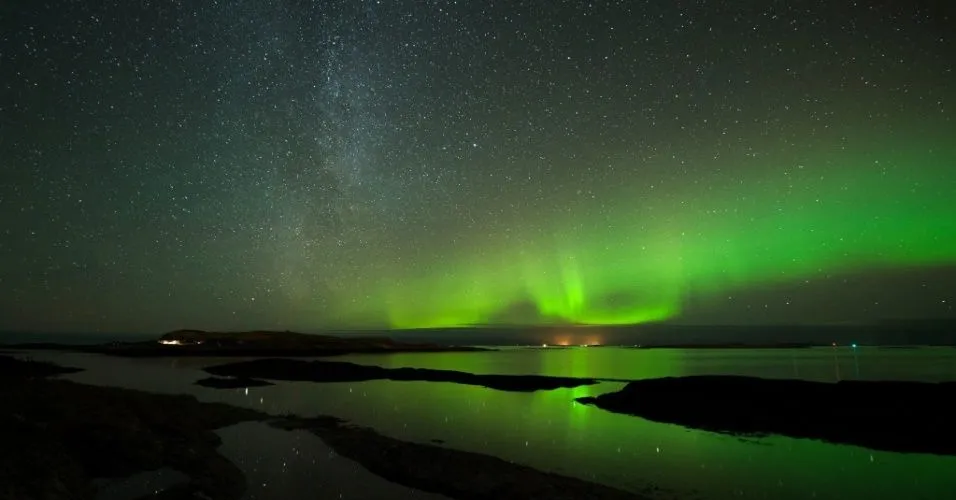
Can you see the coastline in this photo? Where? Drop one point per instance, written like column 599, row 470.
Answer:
column 60, row 436
column 907, row 417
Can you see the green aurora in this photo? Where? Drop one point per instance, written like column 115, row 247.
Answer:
column 632, row 258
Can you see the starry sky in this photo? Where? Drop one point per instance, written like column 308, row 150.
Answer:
column 399, row 164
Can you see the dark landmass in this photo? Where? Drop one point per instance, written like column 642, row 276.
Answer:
column 231, row 382
column 453, row 473
column 183, row 343
column 340, row 371
column 928, row 332
column 731, row 345
column 896, row 332
column 893, row 416
column 58, row 436
column 11, row 367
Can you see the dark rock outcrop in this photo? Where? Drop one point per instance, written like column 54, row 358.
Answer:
column 57, row 436
column 11, row 367
column 340, row 371
column 893, row 416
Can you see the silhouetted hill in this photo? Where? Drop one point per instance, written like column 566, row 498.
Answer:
column 889, row 332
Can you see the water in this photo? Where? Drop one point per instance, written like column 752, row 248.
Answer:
column 822, row 364
column 549, row 431
column 297, row 465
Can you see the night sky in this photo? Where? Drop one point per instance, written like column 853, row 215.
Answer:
column 355, row 164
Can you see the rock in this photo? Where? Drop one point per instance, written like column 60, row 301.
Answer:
column 26, row 368
column 892, row 416
column 58, row 435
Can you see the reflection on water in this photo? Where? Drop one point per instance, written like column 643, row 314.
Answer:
column 296, row 465
column 823, row 364
column 547, row 430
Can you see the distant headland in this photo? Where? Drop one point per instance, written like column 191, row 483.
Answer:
column 256, row 343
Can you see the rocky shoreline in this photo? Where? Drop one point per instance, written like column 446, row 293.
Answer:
column 60, row 436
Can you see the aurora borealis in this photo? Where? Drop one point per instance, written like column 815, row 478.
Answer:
column 614, row 268
column 345, row 164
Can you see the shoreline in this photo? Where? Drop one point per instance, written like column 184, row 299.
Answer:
column 60, row 436
column 907, row 417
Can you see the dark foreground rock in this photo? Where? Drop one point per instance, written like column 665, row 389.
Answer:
column 340, row 371
column 231, row 382
column 26, row 368
column 453, row 473
column 57, row 436
column 892, row 416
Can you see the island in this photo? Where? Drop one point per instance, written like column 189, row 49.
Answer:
column 892, row 416
column 341, row 371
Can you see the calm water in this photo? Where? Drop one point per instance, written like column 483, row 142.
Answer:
column 547, row 430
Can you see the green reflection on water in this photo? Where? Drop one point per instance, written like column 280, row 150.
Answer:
column 581, row 362
column 548, row 430
column 617, row 363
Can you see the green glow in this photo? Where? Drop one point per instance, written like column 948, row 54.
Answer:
column 547, row 431
column 632, row 256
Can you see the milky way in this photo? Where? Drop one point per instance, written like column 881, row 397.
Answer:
column 347, row 164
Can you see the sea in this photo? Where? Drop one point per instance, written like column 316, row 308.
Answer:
column 548, row 430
